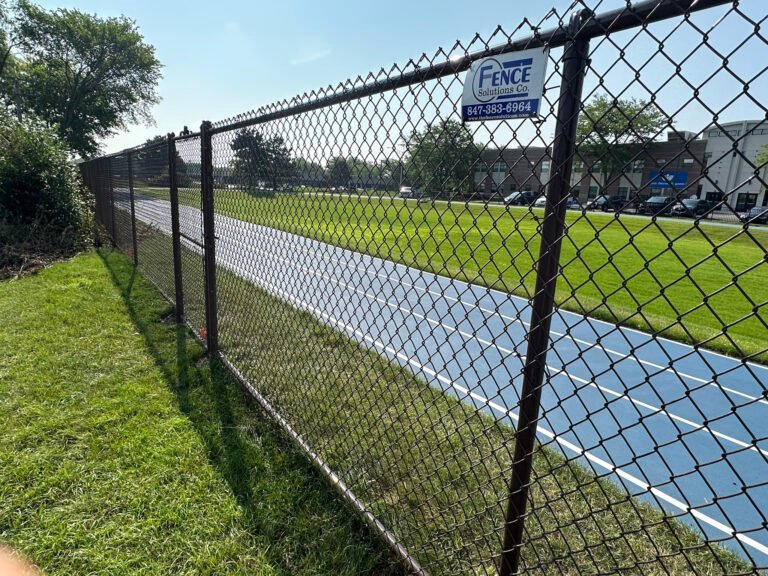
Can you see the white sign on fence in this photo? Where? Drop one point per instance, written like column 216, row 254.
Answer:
column 506, row 86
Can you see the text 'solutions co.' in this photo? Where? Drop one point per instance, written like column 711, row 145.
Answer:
column 505, row 86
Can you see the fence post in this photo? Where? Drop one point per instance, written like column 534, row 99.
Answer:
column 175, row 229
column 575, row 58
column 209, row 239
column 112, row 229
column 133, row 211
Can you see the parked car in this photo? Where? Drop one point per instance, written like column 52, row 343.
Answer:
column 756, row 215
column 656, row 205
column 691, row 207
column 408, row 192
column 540, row 202
column 520, row 199
column 606, row 204
column 572, row 203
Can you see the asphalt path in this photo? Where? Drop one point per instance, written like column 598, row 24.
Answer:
column 685, row 429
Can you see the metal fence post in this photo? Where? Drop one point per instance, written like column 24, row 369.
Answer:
column 209, row 239
column 575, row 58
column 133, row 211
column 175, row 229
column 112, row 231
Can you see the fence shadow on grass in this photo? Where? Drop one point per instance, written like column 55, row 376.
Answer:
column 304, row 525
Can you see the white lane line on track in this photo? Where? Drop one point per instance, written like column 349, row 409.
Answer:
column 488, row 344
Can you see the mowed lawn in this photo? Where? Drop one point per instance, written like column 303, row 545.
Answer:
column 119, row 455
column 682, row 280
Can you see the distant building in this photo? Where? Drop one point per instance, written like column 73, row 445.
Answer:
column 503, row 171
column 708, row 167
column 658, row 169
column 730, row 154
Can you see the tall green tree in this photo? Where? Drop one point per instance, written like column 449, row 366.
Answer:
column 761, row 161
column 441, row 158
column 150, row 164
column 612, row 131
column 339, row 172
column 308, row 172
column 259, row 158
column 87, row 76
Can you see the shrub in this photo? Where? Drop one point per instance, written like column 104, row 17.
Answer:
column 43, row 206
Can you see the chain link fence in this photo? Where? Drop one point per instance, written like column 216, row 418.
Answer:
column 513, row 346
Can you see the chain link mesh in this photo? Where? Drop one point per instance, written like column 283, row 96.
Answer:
column 376, row 264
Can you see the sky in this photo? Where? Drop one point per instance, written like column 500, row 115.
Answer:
column 230, row 56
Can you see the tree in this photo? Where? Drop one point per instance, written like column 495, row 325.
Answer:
column 36, row 178
column 441, row 158
column 87, row 76
column 151, row 164
column 761, row 161
column 392, row 172
column 260, row 159
column 8, row 39
column 612, row 131
column 308, row 173
column 339, row 172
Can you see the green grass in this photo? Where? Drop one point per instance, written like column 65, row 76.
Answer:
column 432, row 468
column 683, row 281
column 120, row 455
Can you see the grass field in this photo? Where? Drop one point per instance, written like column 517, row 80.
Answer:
column 620, row 270
column 432, row 468
column 119, row 455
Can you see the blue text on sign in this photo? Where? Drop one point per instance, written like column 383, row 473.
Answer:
column 515, row 72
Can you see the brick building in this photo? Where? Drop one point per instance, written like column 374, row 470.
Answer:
column 660, row 169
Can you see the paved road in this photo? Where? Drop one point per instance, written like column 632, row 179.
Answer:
column 685, row 429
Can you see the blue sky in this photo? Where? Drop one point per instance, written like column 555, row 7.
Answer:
column 226, row 57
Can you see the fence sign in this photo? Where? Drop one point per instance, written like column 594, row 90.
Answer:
column 505, row 86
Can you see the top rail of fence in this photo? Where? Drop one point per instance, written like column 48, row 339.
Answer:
column 631, row 16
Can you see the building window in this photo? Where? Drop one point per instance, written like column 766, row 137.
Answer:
column 715, row 197
column 707, row 157
column 716, row 133
column 661, row 161
column 687, row 161
column 578, row 165
column 624, row 192
column 527, row 188
column 592, row 192
column 575, row 192
column 760, row 131
column 745, row 201
column 500, row 167
column 482, row 168
column 546, row 165
column 638, row 166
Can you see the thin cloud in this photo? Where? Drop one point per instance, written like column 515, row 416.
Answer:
column 311, row 58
